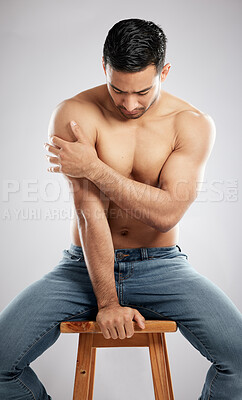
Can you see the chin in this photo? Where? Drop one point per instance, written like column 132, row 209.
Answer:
column 135, row 116
column 132, row 116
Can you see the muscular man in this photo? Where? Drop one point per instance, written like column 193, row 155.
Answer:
column 133, row 156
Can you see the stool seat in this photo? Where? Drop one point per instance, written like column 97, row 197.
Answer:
column 91, row 337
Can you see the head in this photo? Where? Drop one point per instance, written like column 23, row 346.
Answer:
column 133, row 60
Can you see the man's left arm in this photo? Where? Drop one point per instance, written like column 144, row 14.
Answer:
column 162, row 207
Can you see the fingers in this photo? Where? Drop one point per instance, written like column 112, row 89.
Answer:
column 117, row 322
column 52, row 149
column 54, row 169
column 139, row 319
column 57, row 141
column 53, row 160
column 112, row 330
column 76, row 130
column 129, row 327
column 105, row 332
column 121, row 331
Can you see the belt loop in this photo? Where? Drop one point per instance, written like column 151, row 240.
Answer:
column 144, row 253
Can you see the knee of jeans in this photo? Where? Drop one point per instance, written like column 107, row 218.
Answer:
column 236, row 357
column 8, row 351
column 232, row 351
column 6, row 363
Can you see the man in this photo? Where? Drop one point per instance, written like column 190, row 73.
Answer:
column 133, row 156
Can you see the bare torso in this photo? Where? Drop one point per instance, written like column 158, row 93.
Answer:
column 137, row 149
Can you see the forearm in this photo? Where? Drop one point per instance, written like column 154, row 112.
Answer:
column 150, row 205
column 98, row 252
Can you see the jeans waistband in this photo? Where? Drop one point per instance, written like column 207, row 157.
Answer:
column 133, row 254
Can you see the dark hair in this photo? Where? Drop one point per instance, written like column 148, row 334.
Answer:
column 133, row 44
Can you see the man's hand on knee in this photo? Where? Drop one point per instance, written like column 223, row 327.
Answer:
column 115, row 321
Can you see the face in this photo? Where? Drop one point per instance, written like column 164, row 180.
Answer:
column 133, row 93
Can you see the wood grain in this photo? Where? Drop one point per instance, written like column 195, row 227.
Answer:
column 151, row 326
column 91, row 338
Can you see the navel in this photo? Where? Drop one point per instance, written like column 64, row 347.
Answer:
column 124, row 232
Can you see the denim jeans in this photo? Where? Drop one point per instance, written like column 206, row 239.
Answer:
column 159, row 282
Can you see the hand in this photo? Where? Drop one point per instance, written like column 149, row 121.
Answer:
column 73, row 159
column 116, row 321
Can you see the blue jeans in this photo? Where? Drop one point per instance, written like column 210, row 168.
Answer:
column 159, row 282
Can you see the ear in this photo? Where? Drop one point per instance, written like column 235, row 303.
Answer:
column 165, row 71
column 104, row 68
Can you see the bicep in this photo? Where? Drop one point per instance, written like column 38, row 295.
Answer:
column 92, row 199
column 83, row 114
column 184, row 169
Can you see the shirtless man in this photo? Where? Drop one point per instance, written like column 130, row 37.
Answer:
column 133, row 156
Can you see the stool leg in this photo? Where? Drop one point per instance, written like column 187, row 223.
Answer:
column 93, row 364
column 160, row 367
column 83, row 366
column 170, row 389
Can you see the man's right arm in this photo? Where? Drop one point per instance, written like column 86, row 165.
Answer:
column 96, row 240
column 91, row 206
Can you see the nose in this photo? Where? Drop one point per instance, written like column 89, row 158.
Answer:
column 130, row 103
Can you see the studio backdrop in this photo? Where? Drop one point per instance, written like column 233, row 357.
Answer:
column 50, row 51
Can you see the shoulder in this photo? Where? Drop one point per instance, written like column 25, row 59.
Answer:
column 195, row 129
column 190, row 119
column 186, row 117
column 191, row 126
column 83, row 109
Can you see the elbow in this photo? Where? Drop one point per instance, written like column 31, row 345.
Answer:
column 166, row 224
column 170, row 221
column 165, row 229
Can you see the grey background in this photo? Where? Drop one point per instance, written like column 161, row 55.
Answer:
column 51, row 50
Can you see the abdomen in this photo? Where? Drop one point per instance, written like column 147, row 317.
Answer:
column 129, row 232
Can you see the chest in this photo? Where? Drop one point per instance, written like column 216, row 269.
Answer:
column 137, row 152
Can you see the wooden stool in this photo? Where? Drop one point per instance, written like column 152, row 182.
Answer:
column 91, row 337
